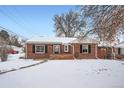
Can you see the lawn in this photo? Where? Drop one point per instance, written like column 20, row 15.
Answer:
column 64, row 74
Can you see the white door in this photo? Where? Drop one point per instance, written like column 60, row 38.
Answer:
column 56, row 49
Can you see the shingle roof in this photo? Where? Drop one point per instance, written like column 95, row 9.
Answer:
column 58, row 40
column 120, row 45
column 84, row 40
column 50, row 40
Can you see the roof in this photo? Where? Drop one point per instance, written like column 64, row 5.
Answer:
column 120, row 45
column 106, row 44
column 55, row 40
column 58, row 40
column 84, row 40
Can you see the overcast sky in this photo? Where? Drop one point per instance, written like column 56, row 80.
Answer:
column 31, row 21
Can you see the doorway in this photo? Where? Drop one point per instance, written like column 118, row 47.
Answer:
column 56, row 49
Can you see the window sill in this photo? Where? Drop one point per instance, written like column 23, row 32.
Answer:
column 39, row 53
column 85, row 53
column 66, row 51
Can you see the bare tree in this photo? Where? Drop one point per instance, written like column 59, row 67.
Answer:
column 5, row 35
column 107, row 21
column 14, row 41
column 68, row 24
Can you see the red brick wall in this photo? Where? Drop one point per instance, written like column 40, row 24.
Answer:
column 32, row 55
column 101, row 52
column 62, row 50
column 91, row 55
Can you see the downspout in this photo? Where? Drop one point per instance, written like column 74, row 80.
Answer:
column 96, row 51
column 26, row 50
column 113, row 52
column 73, row 50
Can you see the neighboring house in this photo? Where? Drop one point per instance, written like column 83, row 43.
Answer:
column 106, row 50
column 119, row 50
column 60, row 48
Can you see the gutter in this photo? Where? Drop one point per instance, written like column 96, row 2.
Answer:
column 73, row 49
column 96, row 48
column 26, row 50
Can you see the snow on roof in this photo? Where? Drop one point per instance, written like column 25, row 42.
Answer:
column 84, row 40
column 59, row 40
column 120, row 45
column 103, row 45
column 106, row 44
column 50, row 40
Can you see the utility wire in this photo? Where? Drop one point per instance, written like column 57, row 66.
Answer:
column 17, row 16
column 14, row 18
column 22, row 21
column 5, row 14
column 11, row 32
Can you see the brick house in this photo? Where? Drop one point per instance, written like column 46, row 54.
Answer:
column 119, row 50
column 106, row 50
column 60, row 48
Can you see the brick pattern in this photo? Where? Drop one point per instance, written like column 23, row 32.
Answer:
column 62, row 55
column 101, row 52
column 106, row 52
column 91, row 55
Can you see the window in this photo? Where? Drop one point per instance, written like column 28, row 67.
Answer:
column 122, row 51
column 66, row 48
column 56, row 49
column 40, row 49
column 84, row 48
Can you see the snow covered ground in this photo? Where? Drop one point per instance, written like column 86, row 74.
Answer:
column 66, row 73
column 14, row 62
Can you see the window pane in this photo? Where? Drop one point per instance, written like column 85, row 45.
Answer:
column 65, row 48
column 122, row 50
column 40, row 48
column 56, row 48
column 85, row 48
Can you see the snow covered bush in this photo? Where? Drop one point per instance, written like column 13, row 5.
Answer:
column 3, row 56
column 76, row 55
column 3, row 49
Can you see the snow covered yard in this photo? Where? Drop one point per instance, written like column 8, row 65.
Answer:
column 14, row 62
column 68, row 73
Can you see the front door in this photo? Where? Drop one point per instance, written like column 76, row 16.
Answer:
column 56, row 49
column 108, row 52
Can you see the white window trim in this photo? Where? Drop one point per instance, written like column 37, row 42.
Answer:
column 40, row 52
column 65, row 48
column 54, row 50
column 87, row 49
